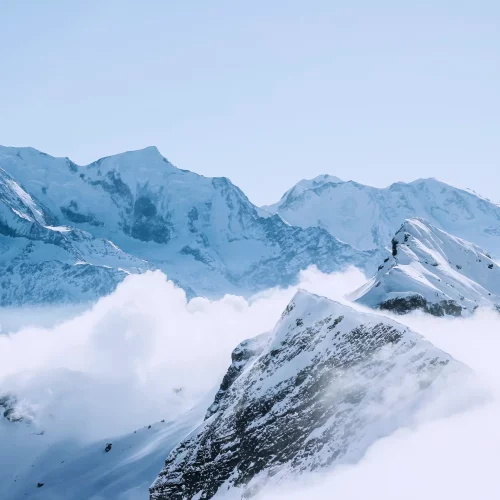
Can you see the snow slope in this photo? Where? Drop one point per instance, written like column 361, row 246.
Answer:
column 367, row 217
column 203, row 232
column 434, row 271
column 71, row 469
column 315, row 393
column 42, row 261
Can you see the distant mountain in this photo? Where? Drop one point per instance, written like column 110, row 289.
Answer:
column 433, row 271
column 203, row 232
column 317, row 392
column 367, row 217
column 302, row 186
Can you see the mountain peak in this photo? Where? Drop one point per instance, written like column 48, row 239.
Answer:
column 307, row 184
column 318, row 181
column 307, row 398
column 433, row 271
column 300, row 188
column 149, row 157
column 149, row 151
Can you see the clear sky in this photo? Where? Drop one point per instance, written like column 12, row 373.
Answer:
column 263, row 92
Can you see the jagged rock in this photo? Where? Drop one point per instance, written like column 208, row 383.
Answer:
column 241, row 356
column 404, row 305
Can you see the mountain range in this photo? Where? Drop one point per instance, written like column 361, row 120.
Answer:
column 71, row 233
column 367, row 217
column 80, row 230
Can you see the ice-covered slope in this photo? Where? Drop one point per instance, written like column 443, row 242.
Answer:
column 433, row 271
column 367, row 217
column 42, row 261
column 315, row 393
column 203, row 232
column 70, row 469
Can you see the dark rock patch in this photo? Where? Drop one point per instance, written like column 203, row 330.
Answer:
column 404, row 305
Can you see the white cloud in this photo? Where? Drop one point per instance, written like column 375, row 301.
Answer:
column 139, row 355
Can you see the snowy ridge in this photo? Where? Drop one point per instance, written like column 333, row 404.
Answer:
column 367, row 217
column 433, row 271
column 316, row 393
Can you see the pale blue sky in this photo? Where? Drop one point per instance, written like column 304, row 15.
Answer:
column 263, row 92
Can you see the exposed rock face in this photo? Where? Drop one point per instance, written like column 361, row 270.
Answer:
column 315, row 393
column 246, row 352
column 404, row 305
column 434, row 272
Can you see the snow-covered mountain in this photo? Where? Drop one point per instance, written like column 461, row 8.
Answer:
column 203, row 232
column 302, row 186
column 316, row 392
column 42, row 261
column 367, row 217
column 433, row 271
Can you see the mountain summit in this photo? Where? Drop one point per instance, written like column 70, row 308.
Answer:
column 433, row 271
column 315, row 393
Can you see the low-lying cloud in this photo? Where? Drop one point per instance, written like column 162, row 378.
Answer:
column 142, row 354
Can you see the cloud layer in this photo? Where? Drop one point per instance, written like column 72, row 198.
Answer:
column 142, row 354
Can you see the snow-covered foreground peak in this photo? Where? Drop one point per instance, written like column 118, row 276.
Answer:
column 203, row 232
column 367, row 217
column 315, row 393
column 433, row 271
